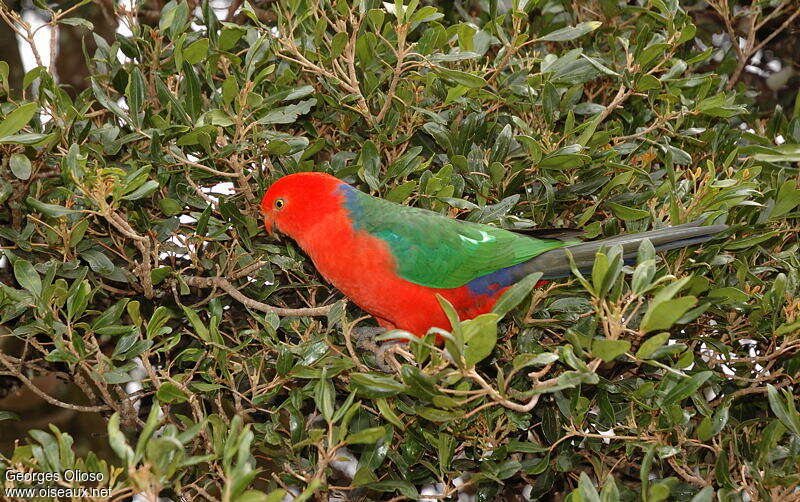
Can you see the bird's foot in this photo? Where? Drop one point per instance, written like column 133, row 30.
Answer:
column 384, row 353
column 365, row 336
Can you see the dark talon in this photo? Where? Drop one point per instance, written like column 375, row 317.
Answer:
column 385, row 356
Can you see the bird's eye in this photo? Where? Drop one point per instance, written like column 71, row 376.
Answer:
column 279, row 203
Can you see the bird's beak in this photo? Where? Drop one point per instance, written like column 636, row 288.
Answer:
column 269, row 224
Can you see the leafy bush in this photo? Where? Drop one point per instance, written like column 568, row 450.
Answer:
column 136, row 269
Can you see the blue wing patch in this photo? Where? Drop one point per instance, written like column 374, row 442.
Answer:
column 491, row 283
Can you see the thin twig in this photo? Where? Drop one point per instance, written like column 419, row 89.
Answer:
column 398, row 69
column 348, row 331
column 39, row 392
column 233, row 291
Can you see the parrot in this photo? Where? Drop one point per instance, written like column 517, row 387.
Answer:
column 394, row 260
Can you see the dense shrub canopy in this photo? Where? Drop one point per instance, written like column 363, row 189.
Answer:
column 136, row 272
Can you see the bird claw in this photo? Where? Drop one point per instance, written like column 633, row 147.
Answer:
column 385, row 356
column 384, row 353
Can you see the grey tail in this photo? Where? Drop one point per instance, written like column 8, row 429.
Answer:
column 555, row 263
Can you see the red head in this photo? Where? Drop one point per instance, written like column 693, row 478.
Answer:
column 297, row 202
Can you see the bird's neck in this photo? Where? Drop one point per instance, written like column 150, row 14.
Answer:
column 324, row 230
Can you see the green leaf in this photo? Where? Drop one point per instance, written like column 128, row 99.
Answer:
column 711, row 426
column 25, row 139
column 170, row 393
column 748, row 242
column 523, row 360
column 78, row 299
column 525, row 447
column 786, row 328
column 437, row 415
column 662, row 315
column 170, row 207
column 196, row 51
column 371, row 162
column 388, row 413
column 375, row 386
column 135, row 93
column 396, row 485
column 565, row 158
column 143, row 191
column 159, row 274
column 608, row 350
column 106, row 102
column 366, row 436
column 111, row 315
column 53, row 210
column 651, row 344
column 782, row 153
column 156, row 325
column 628, row 213
column 152, row 422
column 786, row 200
column 20, row 166
column 324, row 396
column 606, row 269
column 338, row 43
column 288, row 114
column 784, row 408
column 77, row 21
column 219, row 118
column 645, row 252
column 36, row 73
column 514, row 295
column 17, row 119
column 257, row 496
column 728, row 295
column 461, row 77
column 8, row 415
column 704, row 495
column 587, row 490
column 680, row 157
column 124, row 344
column 401, row 192
column 451, row 314
column 116, row 440
column 647, row 82
column 610, row 492
column 98, row 261
column 685, row 388
column 199, row 327
column 644, row 273
column 480, row 336
column 650, row 53
column 4, row 69
column 570, row 32
column 425, row 14
column 28, row 277
column 275, row 495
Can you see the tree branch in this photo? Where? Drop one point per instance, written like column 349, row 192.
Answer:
column 233, row 291
column 39, row 392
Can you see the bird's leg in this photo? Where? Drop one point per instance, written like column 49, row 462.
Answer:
column 384, row 353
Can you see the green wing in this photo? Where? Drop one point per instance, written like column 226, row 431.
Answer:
column 440, row 252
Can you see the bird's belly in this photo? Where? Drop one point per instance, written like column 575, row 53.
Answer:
column 363, row 269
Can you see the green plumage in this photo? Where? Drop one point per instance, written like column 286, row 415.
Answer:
column 436, row 251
